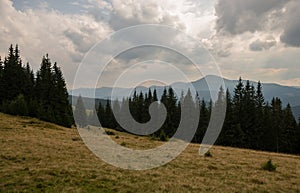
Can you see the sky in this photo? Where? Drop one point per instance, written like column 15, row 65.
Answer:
column 254, row 39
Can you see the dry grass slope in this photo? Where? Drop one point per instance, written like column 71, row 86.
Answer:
column 41, row 157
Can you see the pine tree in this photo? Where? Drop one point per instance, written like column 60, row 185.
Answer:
column 28, row 86
column 141, row 110
column 289, row 133
column 155, row 95
column 298, row 138
column 259, row 116
column 277, row 124
column 203, row 122
column 172, row 109
column 148, row 101
column 248, row 117
column 237, row 136
column 237, row 101
column 110, row 119
column 116, row 113
column 62, row 107
column 51, row 95
column 92, row 119
column 227, row 134
column 12, row 74
column 44, row 91
column 80, row 113
column 102, row 115
column 1, row 82
column 190, row 113
column 268, row 135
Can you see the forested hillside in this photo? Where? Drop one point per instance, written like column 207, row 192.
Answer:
column 250, row 122
column 42, row 94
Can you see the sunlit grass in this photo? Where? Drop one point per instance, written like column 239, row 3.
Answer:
column 42, row 157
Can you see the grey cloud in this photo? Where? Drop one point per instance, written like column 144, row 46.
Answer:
column 82, row 45
column 260, row 45
column 123, row 14
column 236, row 16
column 291, row 34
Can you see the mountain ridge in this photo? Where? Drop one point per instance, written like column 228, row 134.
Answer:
column 288, row 94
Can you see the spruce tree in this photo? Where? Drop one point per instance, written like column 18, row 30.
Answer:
column 298, row 138
column 277, row 124
column 155, row 95
column 12, row 74
column 109, row 116
column 80, row 113
column 237, row 101
column 1, row 82
column 44, row 91
column 226, row 133
column 289, row 133
column 237, row 136
column 190, row 113
column 259, row 116
column 248, row 117
column 203, row 122
column 62, row 107
column 102, row 115
column 173, row 116
column 116, row 113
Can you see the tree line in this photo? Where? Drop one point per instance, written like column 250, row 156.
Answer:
column 42, row 94
column 250, row 121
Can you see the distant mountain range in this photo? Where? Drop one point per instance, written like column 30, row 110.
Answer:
column 287, row 94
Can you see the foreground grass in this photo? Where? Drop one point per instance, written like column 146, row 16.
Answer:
column 41, row 157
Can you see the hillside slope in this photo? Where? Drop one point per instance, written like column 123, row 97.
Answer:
column 42, row 157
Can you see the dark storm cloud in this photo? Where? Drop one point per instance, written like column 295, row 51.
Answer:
column 291, row 35
column 236, row 16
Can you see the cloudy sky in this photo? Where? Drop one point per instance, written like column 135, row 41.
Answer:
column 255, row 39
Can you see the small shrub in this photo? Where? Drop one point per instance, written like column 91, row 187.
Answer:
column 269, row 166
column 117, row 137
column 208, row 154
column 152, row 138
column 123, row 144
column 162, row 136
column 76, row 139
column 110, row 133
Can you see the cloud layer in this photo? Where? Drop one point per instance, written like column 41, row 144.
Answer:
column 248, row 38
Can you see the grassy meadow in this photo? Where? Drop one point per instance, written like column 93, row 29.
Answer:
column 41, row 157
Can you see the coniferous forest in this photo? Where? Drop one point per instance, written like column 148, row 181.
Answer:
column 42, row 95
column 250, row 122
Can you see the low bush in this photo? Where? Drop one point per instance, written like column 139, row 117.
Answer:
column 269, row 166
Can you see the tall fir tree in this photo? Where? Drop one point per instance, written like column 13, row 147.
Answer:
column 260, row 118
column 289, row 133
column 102, row 115
column 62, row 108
column 80, row 113
column 1, row 82
column 12, row 74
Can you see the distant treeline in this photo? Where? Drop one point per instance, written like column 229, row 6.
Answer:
column 42, row 95
column 250, row 122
